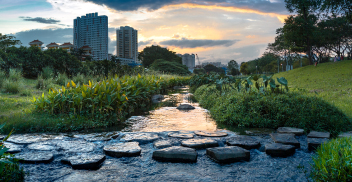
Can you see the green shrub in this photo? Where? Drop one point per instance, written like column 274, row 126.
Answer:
column 2, row 77
column 199, row 71
column 15, row 75
column 272, row 110
column 44, row 83
column 170, row 67
column 333, row 161
column 26, row 92
column 47, row 73
column 61, row 79
column 12, row 87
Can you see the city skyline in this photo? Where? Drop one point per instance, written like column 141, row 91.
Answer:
column 215, row 30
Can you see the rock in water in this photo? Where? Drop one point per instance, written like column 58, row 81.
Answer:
column 287, row 139
column 157, row 98
column 243, row 141
column 290, row 130
column 185, row 107
column 279, row 150
column 129, row 149
column 314, row 143
column 162, row 144
column 316, row 134
column 211, row 134
column 85, row 161
column 76, row 146
column 35, row 157
column 200, row 143
column 41, row 146
column 13, row 148
column 142, row 138
column 28, row 139
column 181, row 135
column 228, row 154
column 176, row 154
column 346, row 134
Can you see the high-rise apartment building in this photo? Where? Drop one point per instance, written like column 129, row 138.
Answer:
column 188, row 59
column 92, row 30
column 127, row 43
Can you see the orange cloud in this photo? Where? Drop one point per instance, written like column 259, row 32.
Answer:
column 251, row 36
column 225, row 8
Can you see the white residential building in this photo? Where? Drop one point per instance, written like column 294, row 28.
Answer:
column 188, row 59
column 127, row 43
column 92, row 30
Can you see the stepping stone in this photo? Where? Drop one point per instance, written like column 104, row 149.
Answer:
column 211, row 134
column 346, row 134
column 176, row 154
column 279, row 150
column 2, row 137
column 228, row 154
column 185, row 107
column 41, row 146
column 28, row 139
column 142, row 138
column 314, row 143
column 200, row 143
column 181, row 135
column 287, row 139
column 94, row 137
column 291, row 130
column 76, row 146
column 162, row 144
column 316, row 134
column 35, row 157
column 243, row 141
column 157, row 98
column 179, row 87
column 13, row 148
column 129, row 149
column 85, row 161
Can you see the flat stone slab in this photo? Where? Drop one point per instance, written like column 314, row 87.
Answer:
column 35, row 157
column 41, row 146
column 314, row 143
column 95, row 137
column 316, row 134
column 28, row 139
column 243, row 141
column 176, row 154
column 346, row 134
column 181, row 135
column 2, row 137
column 13, row 148
column 228, row 154
column 157, row 98
column 279, row 150
column 185, row 107
column 162, row 144
column 200, row 143
column 211, row 134
column 291, row 130
column 287, row 139
column 128, row 149
column 76, row 146
column 140, row 137
column 85, row 161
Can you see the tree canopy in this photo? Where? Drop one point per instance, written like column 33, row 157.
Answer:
column 7, row 41
column 152, row 53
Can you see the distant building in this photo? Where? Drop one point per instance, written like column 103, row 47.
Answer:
column 92, row 31
column 127, row 43
column 36, row 43
column 87, row 51
column 189, row 60
column 67, row 46
column 217, row 64
column 52, row 45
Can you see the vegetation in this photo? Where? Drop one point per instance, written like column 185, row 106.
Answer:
column 199, row 71
column 332, row 161
column 170, row 67
column 7, row 41
column 233, row 67
column 211, row 68
column 152, row 53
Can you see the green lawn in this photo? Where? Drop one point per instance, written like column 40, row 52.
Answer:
column 330, row 81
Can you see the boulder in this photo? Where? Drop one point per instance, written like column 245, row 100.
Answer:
column 181, row 135
column 243, row 141
column 162, row 144
column 28, row 139
column 185, row 107
column 176, row 154
column 228, row 154
column 2, row 137
column 76, row 146
column 290, row 130
column 316, row 134
column 94, row 137
column 13, row 148
column 314, row 143
column 85, row 161
column 279, row 150
column 200, row 143
column 287, row 139
column 35, row 157
column 41, row 146
column 157, row 98
column 346, row 134
column 211, row 133
column 129, row 149
column 142, row 138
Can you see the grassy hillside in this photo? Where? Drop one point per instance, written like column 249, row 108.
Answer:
column 330, row 81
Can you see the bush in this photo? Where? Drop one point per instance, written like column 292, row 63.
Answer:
column 2, row 77
column 47, row 73
column 170, row 67
column 44, row 83
column 61, row 79
column 11, row 86
column 272, row 110
column 26, row 92
column 15, row 75
column 199, row 71
column 333, row 161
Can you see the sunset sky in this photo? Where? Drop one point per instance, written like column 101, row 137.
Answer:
column 216, row 30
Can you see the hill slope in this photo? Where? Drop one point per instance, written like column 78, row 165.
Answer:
column 331, row 81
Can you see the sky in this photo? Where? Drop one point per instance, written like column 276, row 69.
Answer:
column 215, row 30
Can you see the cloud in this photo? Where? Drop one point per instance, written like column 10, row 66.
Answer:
column 143, row 43
column 176, row 36
column 41, row 20
column 193, row 43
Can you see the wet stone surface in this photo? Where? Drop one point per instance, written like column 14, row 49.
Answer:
column 181, row 135
column 28, row 139
column 41, row 146
column 314, row 143
column 76, row 146
column 290, row 130
column 279, row 150
column 200, row 143
column 210, row 134
column 35, row 157
column 13, row 148
column 287, row 139
column 316, row 134
column 85, row 161
column 243, row 141
column 345, row 134
column 140, row 137
column 129, row 149
column 176, row 154
column 162, row 144
column 228, row 154
column 97, row 136
column 185, row 107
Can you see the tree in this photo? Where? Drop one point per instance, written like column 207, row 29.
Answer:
column 7, row 41
column 244, row 68
column 170, row 67
column 211, row 68
column 338, row 7
column 233, row 67
column 152, row 53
